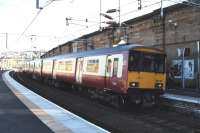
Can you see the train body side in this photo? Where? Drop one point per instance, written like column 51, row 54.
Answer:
column 47, row 68
column 92, row 71
column 64, row 70
column 37, row 71
column 109, row 69
column 98, row 72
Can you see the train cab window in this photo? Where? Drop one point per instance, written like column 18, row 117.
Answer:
column 160, row 63
column 134, row 61
column 148, row 63
column 115, row 67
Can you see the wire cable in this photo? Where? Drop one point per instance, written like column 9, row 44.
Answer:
column 136, row 10
column 35, row 17
column 28, row 26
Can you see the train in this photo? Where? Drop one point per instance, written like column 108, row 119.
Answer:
column 132, row 73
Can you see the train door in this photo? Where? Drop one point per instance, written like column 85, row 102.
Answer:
column 114, row 72
column 109, row 69
column 55, row 69
column 79, row 70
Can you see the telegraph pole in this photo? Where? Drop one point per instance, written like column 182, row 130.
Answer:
column 6, row 40
column 119, row 13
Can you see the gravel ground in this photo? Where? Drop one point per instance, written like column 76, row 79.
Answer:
column 143, row 120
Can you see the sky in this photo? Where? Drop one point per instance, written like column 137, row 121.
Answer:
column 49, row 28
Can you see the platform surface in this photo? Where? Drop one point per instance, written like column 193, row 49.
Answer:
column 15, row 117
column 54, row 117
column 183, row 98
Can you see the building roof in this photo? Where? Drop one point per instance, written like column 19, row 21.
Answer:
column 101, row 51
column 97, row 51
column 131, row 21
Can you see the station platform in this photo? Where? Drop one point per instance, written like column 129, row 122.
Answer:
column 22, row 110
column 183, row 100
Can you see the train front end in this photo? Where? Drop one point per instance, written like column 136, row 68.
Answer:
column 146, row 75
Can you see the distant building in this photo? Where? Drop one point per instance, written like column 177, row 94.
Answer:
column 12, row 59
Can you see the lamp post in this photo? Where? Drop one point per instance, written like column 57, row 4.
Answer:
column 6, row 39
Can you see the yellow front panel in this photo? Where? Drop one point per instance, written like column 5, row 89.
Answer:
column 149, row 50
column 146, row 80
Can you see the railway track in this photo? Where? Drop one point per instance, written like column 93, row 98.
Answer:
column 143, row 120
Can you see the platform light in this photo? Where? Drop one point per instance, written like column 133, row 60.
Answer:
column 112, row 10
column 111, row 22
column 107, row 16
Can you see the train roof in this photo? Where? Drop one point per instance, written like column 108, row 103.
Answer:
column 98, row 51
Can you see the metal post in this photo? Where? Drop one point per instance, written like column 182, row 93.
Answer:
column 198, row 65
column 100, row 15
column 119, row 14
column 119, row 21
column 183, row 78
column 161, row 8
column 37, row 4
column 139, row 4
column 6, row 40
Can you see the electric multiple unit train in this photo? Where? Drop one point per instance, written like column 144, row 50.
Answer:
column 133, row 73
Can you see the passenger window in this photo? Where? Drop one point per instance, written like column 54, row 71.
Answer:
column 109, row 66
column 115, row 67
column 93, row 66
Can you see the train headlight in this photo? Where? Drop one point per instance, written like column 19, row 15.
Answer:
column 159, row 85
column 133, row 84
